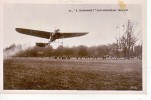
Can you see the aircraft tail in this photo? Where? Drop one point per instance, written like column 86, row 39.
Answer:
column 42, row 44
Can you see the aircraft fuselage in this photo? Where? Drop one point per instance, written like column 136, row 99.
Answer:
column 55, row 36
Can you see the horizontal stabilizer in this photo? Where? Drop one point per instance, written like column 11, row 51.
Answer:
column 42, row 44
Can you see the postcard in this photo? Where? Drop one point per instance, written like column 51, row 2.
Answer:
column 74, row 47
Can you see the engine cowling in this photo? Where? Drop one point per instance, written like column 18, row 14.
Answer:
column 54, row 36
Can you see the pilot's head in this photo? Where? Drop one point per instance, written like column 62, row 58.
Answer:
column 56, row 31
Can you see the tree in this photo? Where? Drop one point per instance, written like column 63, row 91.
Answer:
column 102, row 50
column 68, row 51
column 59, row 51
column 48, row 51
column 82, row 51
column 127, row 40
column 138, row 51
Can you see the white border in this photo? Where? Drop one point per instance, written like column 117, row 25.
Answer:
column 143, row 2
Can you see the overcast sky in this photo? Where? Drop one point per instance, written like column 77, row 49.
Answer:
column 46, row 17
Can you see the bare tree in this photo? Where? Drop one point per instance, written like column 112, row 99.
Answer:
column 127, row 40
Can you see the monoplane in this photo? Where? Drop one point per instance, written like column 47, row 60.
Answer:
column 52, row 36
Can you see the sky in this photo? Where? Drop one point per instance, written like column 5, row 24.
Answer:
column 101, row 25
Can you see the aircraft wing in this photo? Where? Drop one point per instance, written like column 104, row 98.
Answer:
column 72, row 34
column 36, row 33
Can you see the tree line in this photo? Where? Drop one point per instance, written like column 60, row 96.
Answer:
column 78, row 51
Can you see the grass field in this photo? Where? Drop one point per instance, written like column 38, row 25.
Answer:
column 53, row 74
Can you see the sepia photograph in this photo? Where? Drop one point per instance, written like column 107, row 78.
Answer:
column 97, row 47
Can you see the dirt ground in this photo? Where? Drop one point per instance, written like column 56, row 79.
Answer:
column 55, row 74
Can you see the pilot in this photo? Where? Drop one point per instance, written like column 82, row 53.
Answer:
column 57, row 31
